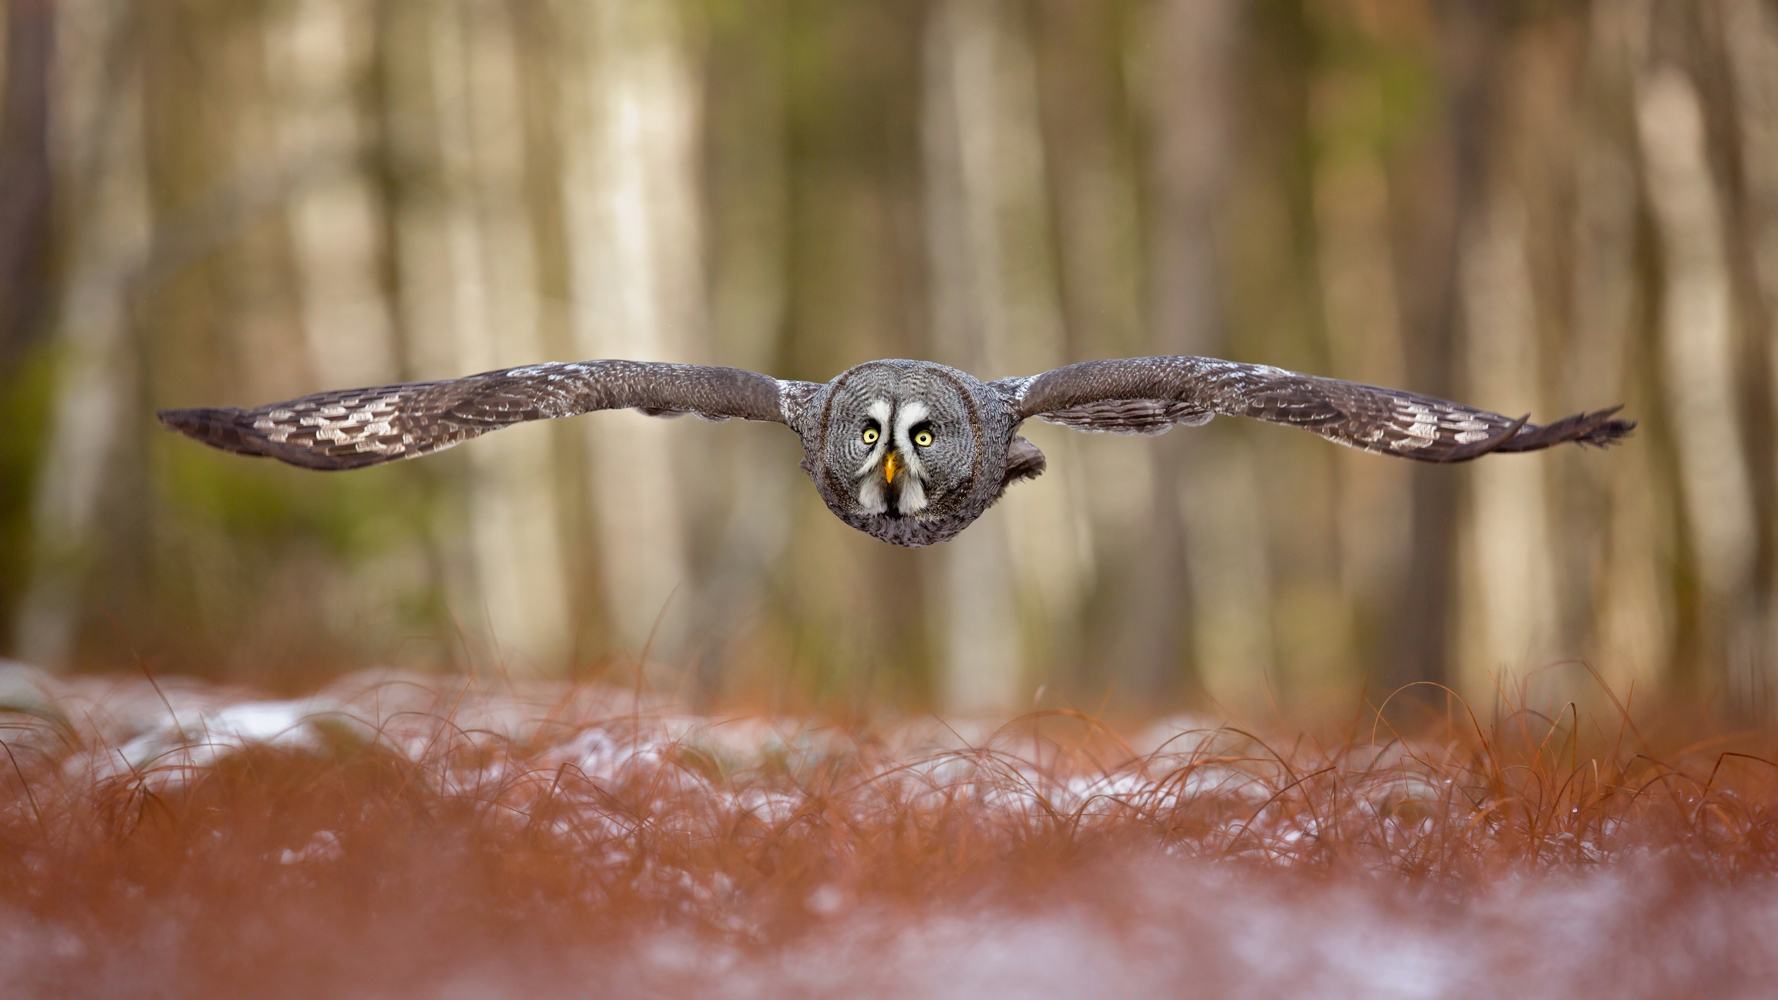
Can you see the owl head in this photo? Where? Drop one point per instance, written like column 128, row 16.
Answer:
column 908, row 451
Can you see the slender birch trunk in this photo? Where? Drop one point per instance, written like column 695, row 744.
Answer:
column 1696, row 347
column 1203, row 492
column 27, row 180
column 1361, row 311
column 1630, row 603
column 467, row 302
column 315, row 55
column 1747, row 34
column 986, row 236
column 515, row 521
column 1509, row 604
column 634, row 244
column 1436, row 206
column 742, row 537
column 1090, row 167
column 100, row 114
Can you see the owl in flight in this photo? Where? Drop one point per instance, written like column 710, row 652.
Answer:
column 911, row 452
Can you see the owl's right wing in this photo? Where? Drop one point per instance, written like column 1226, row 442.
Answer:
column 352, row 428
column 1150, row 395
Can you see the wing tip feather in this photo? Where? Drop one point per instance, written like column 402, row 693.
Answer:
column 225, row 428
column 1592, row 428
column 218, row 427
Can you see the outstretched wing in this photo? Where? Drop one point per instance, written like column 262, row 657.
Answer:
column 1151, row 395
column 351, row 428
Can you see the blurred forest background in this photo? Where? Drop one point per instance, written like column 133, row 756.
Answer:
column 1532, row 206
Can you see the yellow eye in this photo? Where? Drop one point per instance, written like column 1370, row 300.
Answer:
column 871, row 434
column 922, row 439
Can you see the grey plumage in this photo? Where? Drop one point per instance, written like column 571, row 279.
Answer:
column 352, row 428
column 911, row 452
column 1149, row 395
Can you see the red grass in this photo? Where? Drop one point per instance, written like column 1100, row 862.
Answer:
column 400, row 837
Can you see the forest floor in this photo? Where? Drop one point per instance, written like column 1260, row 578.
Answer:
column 407, row 836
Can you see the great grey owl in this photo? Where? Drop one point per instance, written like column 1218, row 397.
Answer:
column 910, row 452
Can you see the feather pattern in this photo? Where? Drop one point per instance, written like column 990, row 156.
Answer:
column 352, row 428
column 1148, row 395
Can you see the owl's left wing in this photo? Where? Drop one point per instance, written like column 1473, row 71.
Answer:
column 1151, row 395
column 351, row 428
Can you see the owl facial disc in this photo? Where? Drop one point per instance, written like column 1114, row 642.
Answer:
column 891, row 480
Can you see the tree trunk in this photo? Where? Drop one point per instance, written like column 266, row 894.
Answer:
column 1509, row 597
column 1617, row 573
column 636, row 290
column 26, row 179
column 108, row 245
column 1697, row 351
column 986, row 238
column 1428, row 254
column 1193, row 601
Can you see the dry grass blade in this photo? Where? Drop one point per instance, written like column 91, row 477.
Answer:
column 398, row 837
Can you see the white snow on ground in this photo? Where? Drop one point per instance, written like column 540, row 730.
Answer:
column 1179, row 927
column 1190, row 931
column 1182, row 931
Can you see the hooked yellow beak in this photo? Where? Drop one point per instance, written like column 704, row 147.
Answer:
column 890, row 465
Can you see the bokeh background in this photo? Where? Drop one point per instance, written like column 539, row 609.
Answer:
column 1533, row 206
